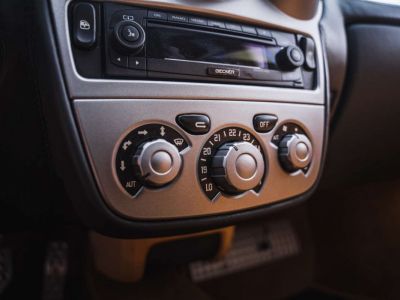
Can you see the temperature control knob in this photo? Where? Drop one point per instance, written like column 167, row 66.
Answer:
column 237, row 167
column 129, row 37
column 157, row 162
column 295, row 152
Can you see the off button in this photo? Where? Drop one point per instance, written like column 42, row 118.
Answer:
column 264, row 123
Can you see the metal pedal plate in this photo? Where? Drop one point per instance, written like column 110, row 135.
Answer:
column 252, row 247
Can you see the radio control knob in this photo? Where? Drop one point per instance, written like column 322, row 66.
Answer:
column 129, row 37
column 157, row 162
column 237, row 167
column 290, row 58
column 295, row 152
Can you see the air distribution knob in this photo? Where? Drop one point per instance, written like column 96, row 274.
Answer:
column 295, row 152
column 237, row 167
column 290, row 58
column 157, row 162
column 129, row 37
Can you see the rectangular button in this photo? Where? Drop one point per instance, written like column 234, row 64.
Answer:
column 223, row 72
column 249, row 30
column 84, row 25
column 137, row 63
column 264, row 123
column 264, row 33
column 234, row 27
column 177, row 18
column 265, row 75
column 157, row 15
column 308, row 47
column 198, row 21
column 216, row 24
column 194, row 123
column 118, row 59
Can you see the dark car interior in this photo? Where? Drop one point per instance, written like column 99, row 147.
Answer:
column 199, row 149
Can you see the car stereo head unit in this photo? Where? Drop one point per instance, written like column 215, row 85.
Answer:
column 156, row 44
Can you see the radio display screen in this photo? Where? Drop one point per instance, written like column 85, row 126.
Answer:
column 182, row 44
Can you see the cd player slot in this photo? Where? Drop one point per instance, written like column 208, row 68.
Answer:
column 177, row 43
column 203, row 69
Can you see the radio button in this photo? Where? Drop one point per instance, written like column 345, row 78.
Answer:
column 290, row 58
column 137, row 63
column 249, row 30
column 129, row 37
column 308, row 47
column 194, row 123
column 216, row 24
column 130, row 33
column 198, row 21
column 296, row 55
column 118, row 59
column 177, row 18
column 283, row 38
column 264, row 123
column 264, row 33
column 264, row 74
column 157, row 15
column 84, row 25
column 234, row 27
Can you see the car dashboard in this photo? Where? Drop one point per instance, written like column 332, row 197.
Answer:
column 169, row 132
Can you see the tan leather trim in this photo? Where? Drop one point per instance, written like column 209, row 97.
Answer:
column 125, row 260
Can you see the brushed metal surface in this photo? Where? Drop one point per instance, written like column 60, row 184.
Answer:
column 104, row 123
column 159, row 162
column 299, row 151
column 243, row 166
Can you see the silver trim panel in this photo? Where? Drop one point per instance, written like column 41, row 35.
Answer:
column 104, row 123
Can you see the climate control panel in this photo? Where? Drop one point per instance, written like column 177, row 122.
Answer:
column 176, row 158
column 232, row 160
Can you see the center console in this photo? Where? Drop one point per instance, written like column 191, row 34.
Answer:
column 194, row 112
